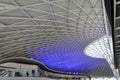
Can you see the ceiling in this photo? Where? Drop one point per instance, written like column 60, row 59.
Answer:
column 54, row 32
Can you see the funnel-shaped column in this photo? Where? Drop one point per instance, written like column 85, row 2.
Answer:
column 102, row 48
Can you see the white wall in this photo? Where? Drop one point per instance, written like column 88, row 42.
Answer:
column 18, row 65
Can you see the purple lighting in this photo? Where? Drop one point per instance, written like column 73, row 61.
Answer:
column 67, row 58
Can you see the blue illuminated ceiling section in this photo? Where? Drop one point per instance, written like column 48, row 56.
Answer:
column 66, row 57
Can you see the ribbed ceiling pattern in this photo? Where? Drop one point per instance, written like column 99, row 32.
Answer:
column 29, row 25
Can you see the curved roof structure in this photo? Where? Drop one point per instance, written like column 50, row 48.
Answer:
column 55, row 33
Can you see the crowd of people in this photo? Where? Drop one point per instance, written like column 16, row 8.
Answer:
column 27, row 74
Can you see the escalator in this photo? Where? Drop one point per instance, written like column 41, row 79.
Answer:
column 3, row 73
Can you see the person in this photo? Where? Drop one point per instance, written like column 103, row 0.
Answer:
column 27, row 74
column 17, row 74
column 33, row 73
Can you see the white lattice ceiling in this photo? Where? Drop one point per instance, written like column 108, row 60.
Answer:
column 25, row 24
